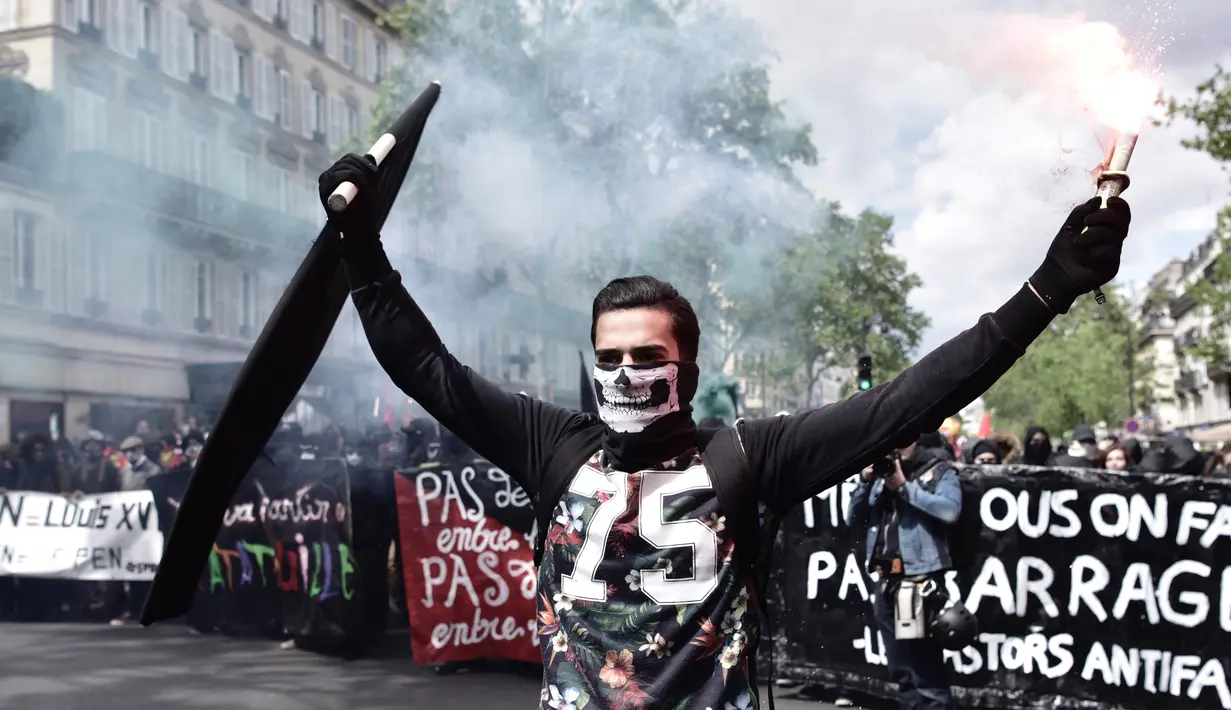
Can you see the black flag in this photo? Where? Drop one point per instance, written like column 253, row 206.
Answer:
column 276, row 369
column 589, row 403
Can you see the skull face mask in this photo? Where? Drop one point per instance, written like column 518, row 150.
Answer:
column 632, row 397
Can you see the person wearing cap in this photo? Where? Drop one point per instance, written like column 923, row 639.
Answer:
column 1083, row 452
column 140, row 467
column 128, row 597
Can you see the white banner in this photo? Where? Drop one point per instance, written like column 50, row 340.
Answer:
column 112, row 536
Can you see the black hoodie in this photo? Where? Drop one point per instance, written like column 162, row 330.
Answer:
column 1037, row 454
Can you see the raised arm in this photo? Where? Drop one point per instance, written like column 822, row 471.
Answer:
column 513, row 431
column 802, row 455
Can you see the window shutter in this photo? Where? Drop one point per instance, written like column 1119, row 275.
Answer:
column 260, row 79
column 331, row 31
column 68, row 15
column 333, row 134
column 170, row 56
column 183, row 288
column 217, row 70
column 369, row 54
column 272, row 96
column 58, row 278
column 186, row 58
column 307, row 105
column 232, row 62
column 301, row 23
column 112, row 25
column 77, row 271
column 130, row 12
column 8, row 256
column 222, row 310
column 286, row 100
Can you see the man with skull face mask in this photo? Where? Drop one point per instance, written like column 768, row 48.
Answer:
column 641, row 602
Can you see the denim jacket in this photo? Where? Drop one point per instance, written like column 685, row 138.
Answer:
column 932, row 506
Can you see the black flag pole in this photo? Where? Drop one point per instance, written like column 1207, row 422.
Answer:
column 589, row 402
column 277, row 367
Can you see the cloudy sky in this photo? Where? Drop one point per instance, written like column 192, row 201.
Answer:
column 952, row 118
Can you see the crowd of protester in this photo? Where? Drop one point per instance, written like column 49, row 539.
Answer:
column 103, row 463
column 1085, row 449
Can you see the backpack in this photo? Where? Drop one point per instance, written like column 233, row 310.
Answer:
column 735, row 486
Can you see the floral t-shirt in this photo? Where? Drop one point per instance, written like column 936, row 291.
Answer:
column 640, row 602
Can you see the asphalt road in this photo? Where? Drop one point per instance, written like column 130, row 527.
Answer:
column 95, row 667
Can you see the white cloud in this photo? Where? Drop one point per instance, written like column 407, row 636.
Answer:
column 959, row 120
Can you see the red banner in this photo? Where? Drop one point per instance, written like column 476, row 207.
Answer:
column 470, row 580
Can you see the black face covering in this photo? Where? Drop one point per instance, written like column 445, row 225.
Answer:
column 648, row 412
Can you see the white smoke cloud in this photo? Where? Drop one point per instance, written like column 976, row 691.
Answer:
column 958, row 118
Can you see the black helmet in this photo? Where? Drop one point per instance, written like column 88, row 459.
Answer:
column 953, row 626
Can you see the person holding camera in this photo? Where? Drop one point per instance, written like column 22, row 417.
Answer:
column 907, row 503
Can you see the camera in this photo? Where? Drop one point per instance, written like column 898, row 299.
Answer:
column 886, row 467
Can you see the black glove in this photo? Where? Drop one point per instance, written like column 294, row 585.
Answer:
column 358, row 220
column 1084, row 255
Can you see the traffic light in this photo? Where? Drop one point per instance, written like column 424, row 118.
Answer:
column 865, row 373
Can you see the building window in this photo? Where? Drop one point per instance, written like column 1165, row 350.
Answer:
column 243, row 175
column 382, row 60
column 283, row 190
column 147, row 28
column 198, row 160
column 352, row 121
column 350, row 44
column 25, row 244
column 97, row 267
column 243, row 82
column 155, row 281
column 318, row 21
column 248, row 301
column 147, row 140
column 89, row 120
column 91, row 12
column 284, row 98
column 204, row 290
column 200, row 51
column 317, row 119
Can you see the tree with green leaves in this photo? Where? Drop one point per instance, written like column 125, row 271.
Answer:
column 839, row 292
column 1078, row 371
column 661, row 108
column 1209, row 109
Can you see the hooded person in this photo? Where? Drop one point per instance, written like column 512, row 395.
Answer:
column 936, row 441
column 1132, row 447
column 985, row 453
column 1037, row 448
column 1083, row 452
column 639, row 461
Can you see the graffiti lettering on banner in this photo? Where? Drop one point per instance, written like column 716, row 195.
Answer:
column 470, row 578
column 111, row 536
column 1089, row 587
column 284, row 556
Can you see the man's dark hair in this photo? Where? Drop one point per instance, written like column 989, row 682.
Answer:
column 632, row 292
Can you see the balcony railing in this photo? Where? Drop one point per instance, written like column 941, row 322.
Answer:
column 1181, row 304
column 135, row 185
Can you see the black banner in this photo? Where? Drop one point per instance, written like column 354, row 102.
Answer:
column 1091, row 589
column 284, row 558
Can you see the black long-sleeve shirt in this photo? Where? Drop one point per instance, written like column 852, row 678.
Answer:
column 661, row 614
column 796, row 456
